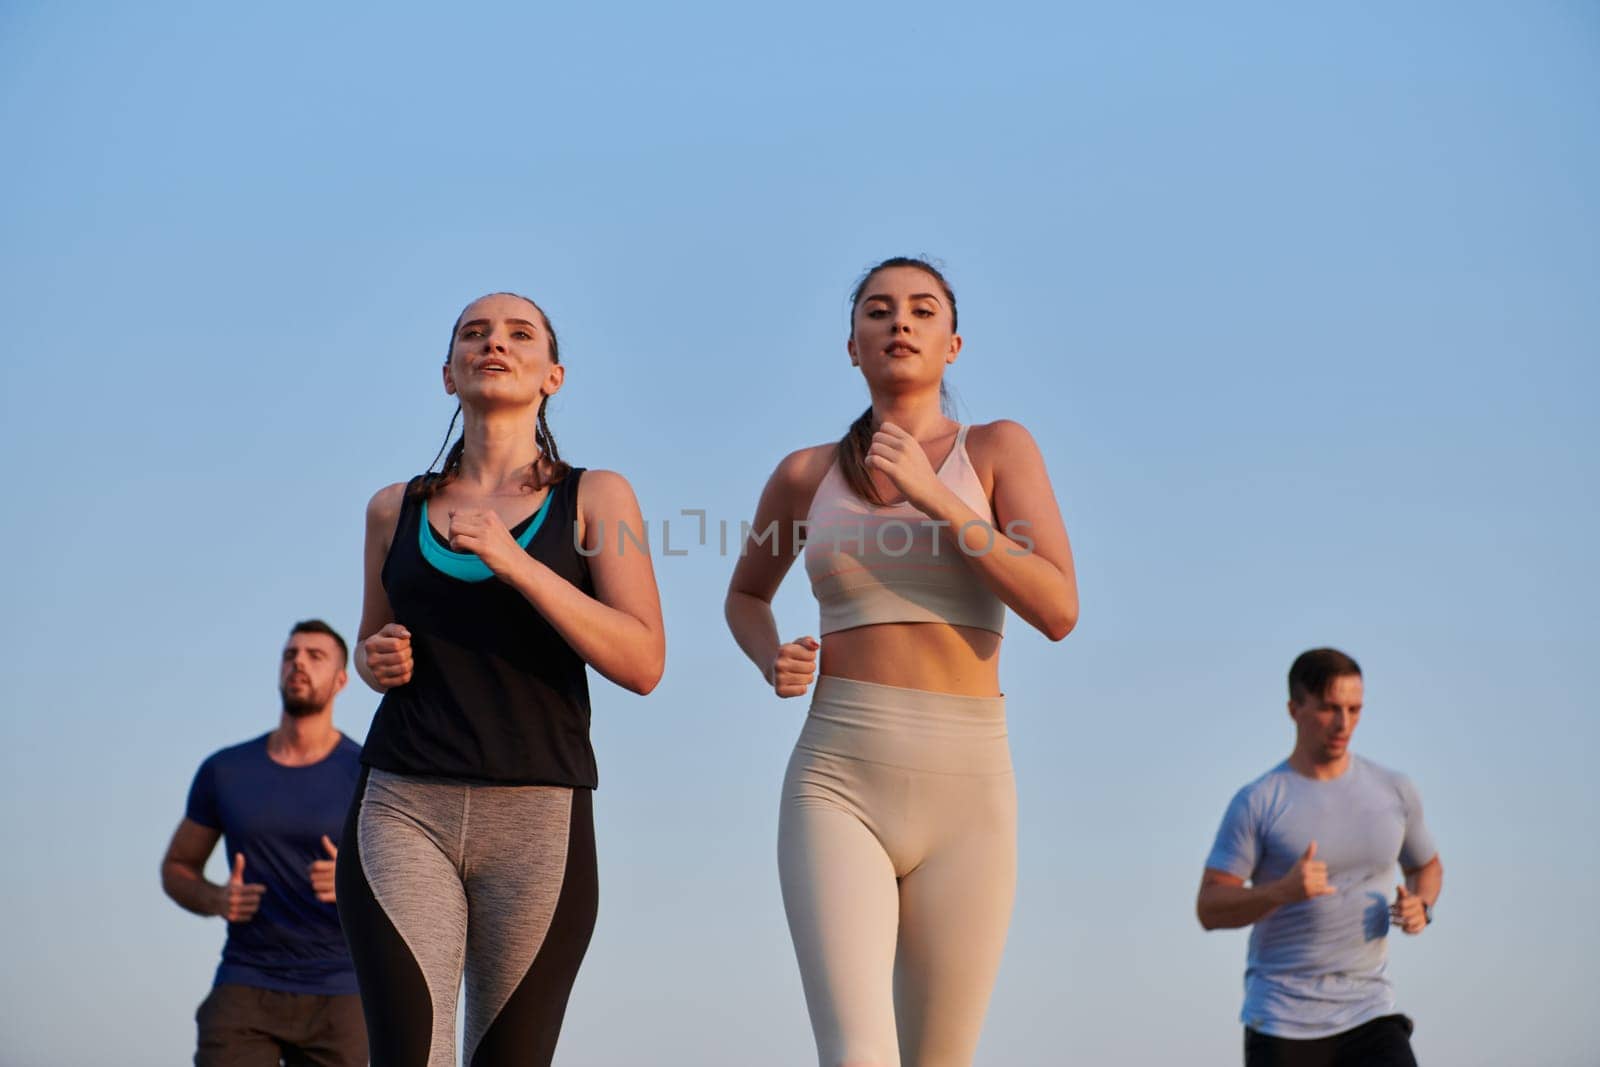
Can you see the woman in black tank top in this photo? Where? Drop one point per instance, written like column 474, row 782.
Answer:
column 490, row 588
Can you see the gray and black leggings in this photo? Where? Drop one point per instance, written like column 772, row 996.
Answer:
column 440, row 878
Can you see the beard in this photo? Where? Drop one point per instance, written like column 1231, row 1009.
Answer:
column 300, row 707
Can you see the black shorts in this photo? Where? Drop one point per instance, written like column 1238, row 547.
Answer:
column 242, row 1026
column 1382, row 1042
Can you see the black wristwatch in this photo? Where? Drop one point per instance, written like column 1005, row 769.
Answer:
column 1427, row 913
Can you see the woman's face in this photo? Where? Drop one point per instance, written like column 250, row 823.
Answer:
column 901, row 331
column 500, row 354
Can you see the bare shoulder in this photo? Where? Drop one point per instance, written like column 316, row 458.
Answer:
column 785, row 499
column 386, row 503
column 605, row 492
column 1003, row 443
column 800, row 472
column 1000, row 435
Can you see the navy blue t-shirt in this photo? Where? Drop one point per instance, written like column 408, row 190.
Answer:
column 276, row 816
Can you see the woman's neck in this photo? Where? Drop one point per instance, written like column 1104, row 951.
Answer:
column 919, row 414
column 499, row 449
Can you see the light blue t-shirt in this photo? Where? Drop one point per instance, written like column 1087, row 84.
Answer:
column 1319, row 967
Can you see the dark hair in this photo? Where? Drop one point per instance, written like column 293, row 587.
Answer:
column 549, row 469
column 317, row 626
column 852, row 447
column 1313, row 670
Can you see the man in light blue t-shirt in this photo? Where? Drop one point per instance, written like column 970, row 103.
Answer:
column 1317, row 839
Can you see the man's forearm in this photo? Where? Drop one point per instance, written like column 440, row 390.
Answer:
column 189, row 888
column 1427, row 881
column 1227, row 907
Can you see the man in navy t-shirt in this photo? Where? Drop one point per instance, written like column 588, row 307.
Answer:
column 1318, row 839
column 286, row 989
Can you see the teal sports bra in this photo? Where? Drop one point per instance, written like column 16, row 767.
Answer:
column 466, row 566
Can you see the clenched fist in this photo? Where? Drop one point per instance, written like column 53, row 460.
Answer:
column 794, row 667
column 896, row 453
column 483, row 533
column 1407, row 911
column 388, row 654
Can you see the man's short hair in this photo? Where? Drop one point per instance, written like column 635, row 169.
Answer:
column 317, row 626
column 1313, row 670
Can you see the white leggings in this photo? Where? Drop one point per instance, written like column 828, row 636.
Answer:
column 897, row 855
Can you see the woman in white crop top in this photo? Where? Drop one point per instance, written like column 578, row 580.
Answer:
column 897, row 827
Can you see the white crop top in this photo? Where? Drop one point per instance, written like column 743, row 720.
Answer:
column 871, row 564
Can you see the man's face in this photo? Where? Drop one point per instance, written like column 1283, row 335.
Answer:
column 1324, row 723
column 311, row 672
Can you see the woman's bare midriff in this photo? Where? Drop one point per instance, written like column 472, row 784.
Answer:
column 916, row 655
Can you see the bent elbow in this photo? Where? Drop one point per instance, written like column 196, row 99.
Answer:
column 648, row 677
column 169, row 882
column 1062, row 625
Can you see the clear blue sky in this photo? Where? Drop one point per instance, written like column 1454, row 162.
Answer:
column 1300, row 305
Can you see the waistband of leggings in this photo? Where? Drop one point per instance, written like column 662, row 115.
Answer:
column 445, row 783
column 912, row 728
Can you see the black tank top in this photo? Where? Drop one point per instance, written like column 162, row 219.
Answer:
column 496, row 694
